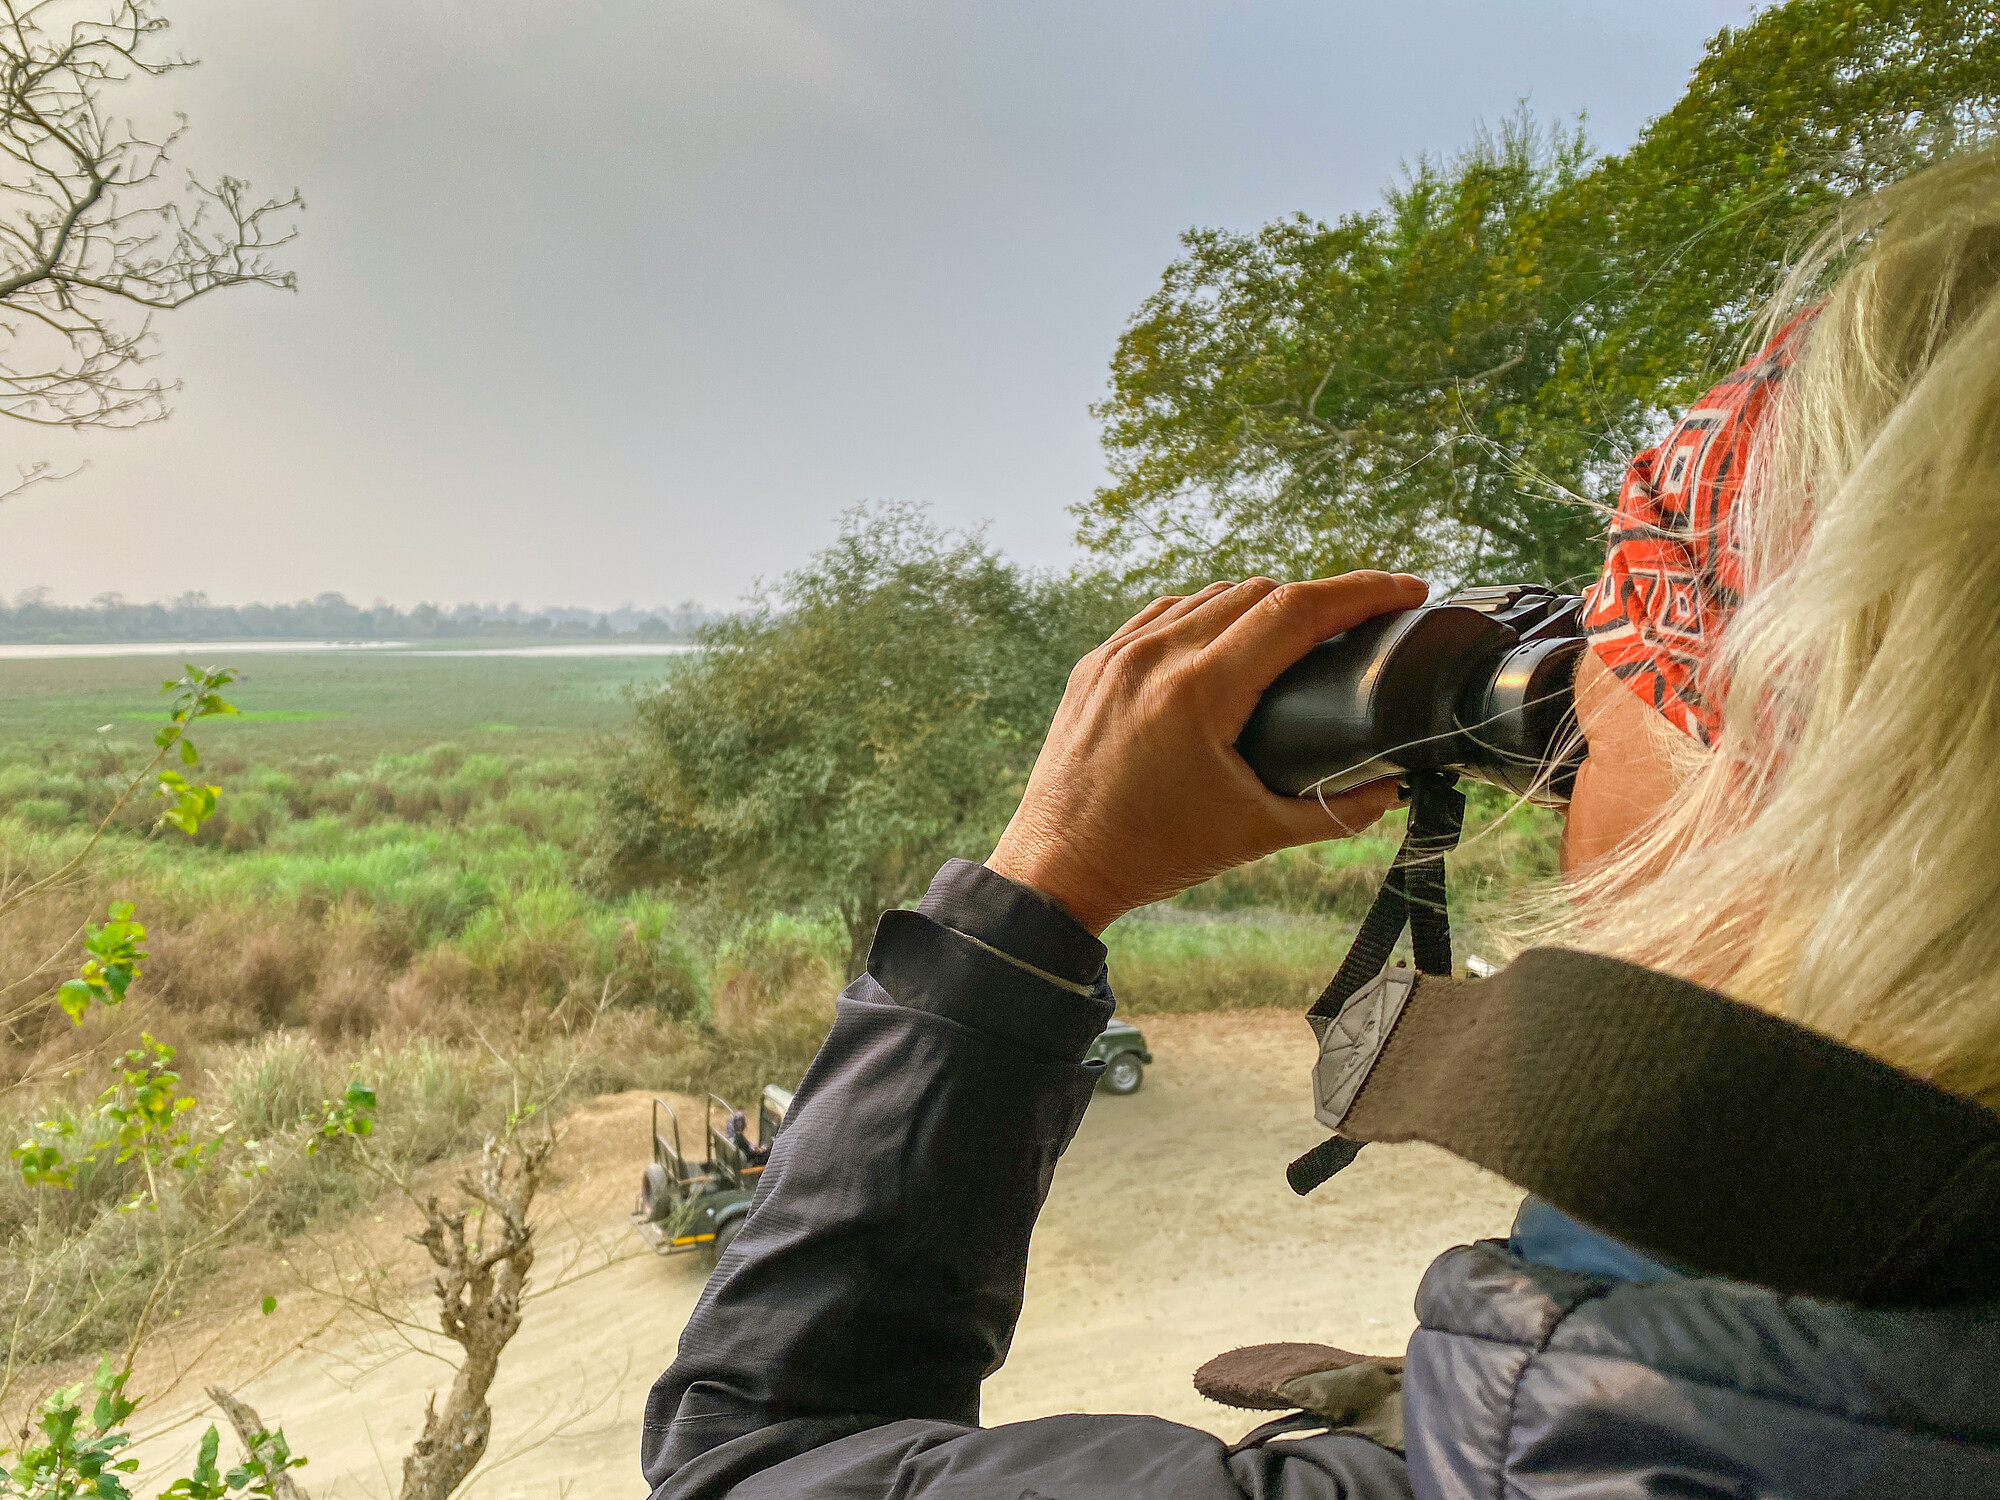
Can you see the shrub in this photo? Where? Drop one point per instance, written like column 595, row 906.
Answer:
column 1506, row 845
column 347, row 1003
column 273, row 971
column 441, row 760
column 42, row 812
column 197, row 969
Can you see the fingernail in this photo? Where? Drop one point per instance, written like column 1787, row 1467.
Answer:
column 1409, row 578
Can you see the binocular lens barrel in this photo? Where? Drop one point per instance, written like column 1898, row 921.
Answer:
column 1480, row 684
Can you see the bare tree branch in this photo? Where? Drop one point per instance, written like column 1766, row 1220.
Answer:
column 481, row 1281
column 93, row 241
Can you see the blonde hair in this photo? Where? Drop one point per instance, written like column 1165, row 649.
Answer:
column 1836, row 858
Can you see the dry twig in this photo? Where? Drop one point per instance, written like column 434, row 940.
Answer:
column 482, row 1278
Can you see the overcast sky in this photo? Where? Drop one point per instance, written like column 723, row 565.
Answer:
column 611, row 301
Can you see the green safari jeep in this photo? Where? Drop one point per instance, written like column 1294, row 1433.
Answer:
column 1123, row 1052
column 699, row 1203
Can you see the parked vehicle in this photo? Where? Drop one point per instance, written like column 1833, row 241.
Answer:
column 1123, row 1052
column 698, row 1203
column 691, row 1203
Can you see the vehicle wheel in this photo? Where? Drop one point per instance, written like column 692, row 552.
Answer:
column 723, row 1238
column 1123, row 1074
column 656, row 1194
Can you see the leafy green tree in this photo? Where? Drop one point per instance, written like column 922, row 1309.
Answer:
column 1314, row 397
column 876, row 714
column 1673, row 245
column 1453, row 382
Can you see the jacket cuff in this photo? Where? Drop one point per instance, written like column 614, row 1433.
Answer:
column 925, row 966
column 1014, row 920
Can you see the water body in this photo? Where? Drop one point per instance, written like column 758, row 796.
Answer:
column 214, row 649
column 609, row 648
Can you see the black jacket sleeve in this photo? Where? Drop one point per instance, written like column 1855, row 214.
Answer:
column 839, row 1346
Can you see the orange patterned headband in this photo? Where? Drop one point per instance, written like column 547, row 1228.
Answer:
column 1674, row 572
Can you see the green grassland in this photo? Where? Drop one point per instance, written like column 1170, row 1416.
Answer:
column 442, row 805
column 355, row 704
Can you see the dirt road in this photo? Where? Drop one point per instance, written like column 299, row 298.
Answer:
column 1170, row 1236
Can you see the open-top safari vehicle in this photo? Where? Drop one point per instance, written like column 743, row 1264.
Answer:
column 690, row 1203
column 698, row 1203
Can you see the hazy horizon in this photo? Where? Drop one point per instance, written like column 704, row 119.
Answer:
column 42, row 594
column 616, row 303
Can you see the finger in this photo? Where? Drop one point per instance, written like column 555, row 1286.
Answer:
column 1211, row 616
column 1290, row 620
column 1093, row 663
column 1176, row 609
column 1144, row 618
column 1311, row 819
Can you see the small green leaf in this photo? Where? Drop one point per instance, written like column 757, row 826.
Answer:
column 270, row 1305
column 74, row 996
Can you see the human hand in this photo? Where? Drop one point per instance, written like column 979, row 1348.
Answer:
column 1139, row 792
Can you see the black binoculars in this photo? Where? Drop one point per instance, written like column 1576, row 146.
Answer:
column 1480, row 685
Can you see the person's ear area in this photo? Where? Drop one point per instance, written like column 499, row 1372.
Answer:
column 1627, row 775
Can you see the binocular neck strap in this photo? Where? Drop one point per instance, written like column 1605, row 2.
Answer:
column 1412, row 895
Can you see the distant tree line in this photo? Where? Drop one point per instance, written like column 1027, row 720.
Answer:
column 31, row 618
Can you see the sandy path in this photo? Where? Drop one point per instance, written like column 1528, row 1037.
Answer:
column 1170, row 1235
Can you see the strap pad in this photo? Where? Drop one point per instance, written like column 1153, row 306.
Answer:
column 1704, row 1132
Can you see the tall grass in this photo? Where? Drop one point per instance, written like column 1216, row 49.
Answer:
column 1274, row 932
column 410, row 918
column 417, row 893
column 409, row 922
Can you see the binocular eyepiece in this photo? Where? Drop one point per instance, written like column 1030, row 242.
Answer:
column 1480, row 684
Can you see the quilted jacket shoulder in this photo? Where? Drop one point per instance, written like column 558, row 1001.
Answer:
column 1531, row 1382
